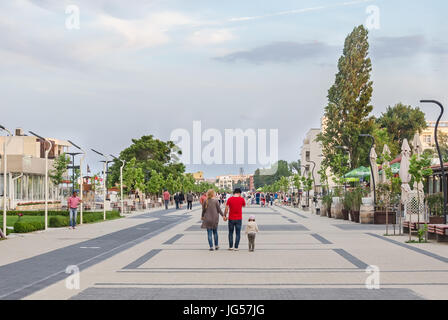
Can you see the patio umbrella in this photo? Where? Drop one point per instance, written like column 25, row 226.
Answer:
column 374, row 165
column 386, row 155
column 360, row 172
column 404, row 171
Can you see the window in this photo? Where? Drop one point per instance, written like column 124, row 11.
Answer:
column 427, row 138
column 307, row 156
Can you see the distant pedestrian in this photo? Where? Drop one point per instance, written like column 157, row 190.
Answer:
column 190, row 200
column 210, row 218
column 166, row 198
column 72, row 204
column 203, row 198
column 181, row 199
column 251, row 231
column 176, row 200
column 268, row 199
column 234, row 207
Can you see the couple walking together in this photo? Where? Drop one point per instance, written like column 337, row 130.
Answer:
column 211, row 210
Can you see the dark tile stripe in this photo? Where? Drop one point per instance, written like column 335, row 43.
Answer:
column 320, row 238
column 137, row 263
column 404, row 245
column 352, row 259
column 174, row 239
column 296, row 213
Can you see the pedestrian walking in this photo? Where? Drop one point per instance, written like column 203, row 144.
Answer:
column 210, row 218
column 190, row 200
column 234, row 207
column 72, row 204
column 176, row 200
column 203, row 198
column 251, row 231
column 268, row 199
column 181, row 199
column 166, row 198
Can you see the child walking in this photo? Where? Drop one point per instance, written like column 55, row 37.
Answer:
column 251, row 231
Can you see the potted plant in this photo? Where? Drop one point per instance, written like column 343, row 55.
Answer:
column 346, row 204
column 356, row 201
column 435, row 205
column 327, row 200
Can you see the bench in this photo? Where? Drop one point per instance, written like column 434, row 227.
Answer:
column 413, row 226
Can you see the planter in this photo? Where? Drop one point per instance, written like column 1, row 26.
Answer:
column 380, row 217
column 436, row 220
column 354, row 216
column 345, row 214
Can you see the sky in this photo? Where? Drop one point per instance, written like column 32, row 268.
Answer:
column 138, row 67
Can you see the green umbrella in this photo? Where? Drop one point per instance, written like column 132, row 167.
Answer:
column 395, row 168
column 360, row 172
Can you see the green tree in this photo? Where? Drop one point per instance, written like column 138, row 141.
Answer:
column 59, row 169
column 280, row 169
column 401, row 122
column 133, row 176
column 348, row 108
column 155, row 183
column 150, row 154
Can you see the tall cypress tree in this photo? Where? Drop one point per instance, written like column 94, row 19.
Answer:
column 348, row 109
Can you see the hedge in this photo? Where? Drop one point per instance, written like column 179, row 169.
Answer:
column 24, row 227
column 89, row 217
column 58, row 221
column 50, row 212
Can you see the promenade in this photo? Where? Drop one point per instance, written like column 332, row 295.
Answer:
column 164, row 255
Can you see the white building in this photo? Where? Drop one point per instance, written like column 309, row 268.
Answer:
column 311, row 156
column 26, row 168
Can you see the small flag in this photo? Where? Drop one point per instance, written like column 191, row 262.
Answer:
column 88, row 169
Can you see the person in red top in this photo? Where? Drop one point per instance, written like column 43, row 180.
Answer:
column 73, row 203
column 166, row 198
column 234, row 207
column 203, row 198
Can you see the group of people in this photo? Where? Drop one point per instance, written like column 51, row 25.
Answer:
column 233, row 215
column 179, row 199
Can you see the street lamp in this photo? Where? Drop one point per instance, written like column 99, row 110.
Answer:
column 5, row 163
column 123, row 162
column 82, row 180
column 314, row 181
column 47, row 151
column 371, row 167
column 104, row 180
column 445, row 191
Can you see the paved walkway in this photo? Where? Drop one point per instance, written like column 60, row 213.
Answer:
column 164, row 255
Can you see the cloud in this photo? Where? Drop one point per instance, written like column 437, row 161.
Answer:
column 404, row 46
column 210, row 37
column 285, row 51
column 298, row 11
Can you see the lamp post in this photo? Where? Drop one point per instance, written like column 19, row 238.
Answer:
column 82, row 180
column 312, row 171
column 123, row 162
column 371, row 167
column 445, row 191
column 47, row 151
column 308, row 192
column 5, row 164
column 104, row 180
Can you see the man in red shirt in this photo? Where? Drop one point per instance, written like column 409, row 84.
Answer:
column 234, row 207
column 166, row 198
column 72, row 204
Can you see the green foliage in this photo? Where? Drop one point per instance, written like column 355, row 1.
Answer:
column 58, row 221
column 401, row 122
column 59, row 169
column 307, row 183
column 150, row 155
column 421, row 233
column 155, row 183
column 419, row 167
column 348, row 108
column 443, row 145
column 133, row 177
column 282, row 170
column 435, row 203
column 24, row 227
column 327, row 200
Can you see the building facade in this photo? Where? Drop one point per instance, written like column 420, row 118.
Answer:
column 427, row 135
column 26, row 168
column 311, row 156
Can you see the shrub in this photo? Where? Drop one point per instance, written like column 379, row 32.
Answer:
column 24, row 227
column 58, row 221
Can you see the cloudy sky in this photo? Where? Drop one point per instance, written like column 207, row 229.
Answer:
column 141, row 67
